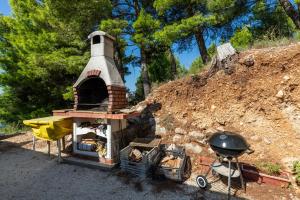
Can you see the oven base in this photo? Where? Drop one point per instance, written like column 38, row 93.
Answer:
column 109, row 165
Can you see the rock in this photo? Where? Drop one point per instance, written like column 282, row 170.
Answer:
column 249, row 61
column 177, row 138
column 184, row 122
column 210, row 150
column 210, row 131
column 255, row 138
column 192, row 104
column 185, row 114
column 267, row 141
column 280, row 94
column 221, row 120
column 160, row 130
column 180, row 131
column 286, row 78
column 288, row 162
column 213, row 108
column 193, row 147
column 220, row 128
column 197, row 135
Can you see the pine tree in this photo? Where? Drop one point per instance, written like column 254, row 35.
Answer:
column 185, row 20
column 292, row 10
column 43, row 50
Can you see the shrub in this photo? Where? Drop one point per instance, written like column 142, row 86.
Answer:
column 296, row 170
column 270, row 168
column 242, row 38
column 11, row 128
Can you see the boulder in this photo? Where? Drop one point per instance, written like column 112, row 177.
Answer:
column 180, row 131
column 197, row 135
column 249, row 61
column 177, row 138
column 193, row 148
column 160, row 130
column 280, row 94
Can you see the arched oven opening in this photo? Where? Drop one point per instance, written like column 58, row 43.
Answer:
column 92, row 95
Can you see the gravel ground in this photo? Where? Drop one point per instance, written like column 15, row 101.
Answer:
column 27, row 174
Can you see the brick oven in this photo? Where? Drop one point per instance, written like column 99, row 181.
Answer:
column 100, row 86
column 99, row 97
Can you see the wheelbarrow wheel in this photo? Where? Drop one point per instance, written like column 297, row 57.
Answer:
column 201, row 181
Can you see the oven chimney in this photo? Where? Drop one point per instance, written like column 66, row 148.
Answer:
column 100, row 86
column 102, row 44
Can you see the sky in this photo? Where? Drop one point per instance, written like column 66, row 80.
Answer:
column 186, row 58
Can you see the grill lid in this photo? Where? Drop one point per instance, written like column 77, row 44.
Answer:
column 228, row 140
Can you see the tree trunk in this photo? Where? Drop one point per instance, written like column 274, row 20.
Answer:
column 291, row 12
column 201, row 46
column 173, row 64
column 119, row 61
column 145, row 75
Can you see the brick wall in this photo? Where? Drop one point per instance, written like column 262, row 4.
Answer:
column 117, row 97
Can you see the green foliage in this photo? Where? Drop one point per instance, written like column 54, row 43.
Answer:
column 242, row 38
column 182, row 29
column 272, row 19
column 12, row 128
column 117, row 27
column 212, row 49
column 144, row 27
column 159, row 72
column 196, row 66
column 270, row 168
column 43, row 44
column 296, row 171
column 43, row 50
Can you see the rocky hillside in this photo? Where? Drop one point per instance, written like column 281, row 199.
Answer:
column 260, row 100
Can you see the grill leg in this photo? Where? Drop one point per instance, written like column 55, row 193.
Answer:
column 33, row 143
column 59, row 150
column 241, row 175
column 48, row 143
column 63, row 143
column 229, row 179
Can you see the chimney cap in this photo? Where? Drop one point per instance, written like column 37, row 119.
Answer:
column 101, row 33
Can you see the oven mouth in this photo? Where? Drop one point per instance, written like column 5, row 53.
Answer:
column 92, row 95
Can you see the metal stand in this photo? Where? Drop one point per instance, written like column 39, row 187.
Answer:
column 33, row 143
column 229, row 178
column 223, row 169
column 63, row 143
column 241, row 176
column 229, row 175
column 48, row 143
column 59, row 151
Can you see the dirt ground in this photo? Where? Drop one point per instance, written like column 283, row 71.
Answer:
column 27, row 174
column 261, row 102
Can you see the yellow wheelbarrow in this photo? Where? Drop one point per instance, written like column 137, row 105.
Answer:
column 51, row 128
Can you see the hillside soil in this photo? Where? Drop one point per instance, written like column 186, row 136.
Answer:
column 260, row 100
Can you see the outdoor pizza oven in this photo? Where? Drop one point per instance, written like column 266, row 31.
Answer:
column 100, row 86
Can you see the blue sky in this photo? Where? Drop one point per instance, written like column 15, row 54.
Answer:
column 186, row 58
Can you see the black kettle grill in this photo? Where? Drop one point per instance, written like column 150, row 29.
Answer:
column 227, row 146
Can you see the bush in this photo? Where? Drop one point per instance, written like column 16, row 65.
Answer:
column 270, row 168
column 242, row 38
column 296, row 170
column 12, row 128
